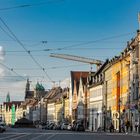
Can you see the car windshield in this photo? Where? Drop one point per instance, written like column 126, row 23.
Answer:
column 66, row 124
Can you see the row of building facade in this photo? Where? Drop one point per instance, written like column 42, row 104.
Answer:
column 108, row 95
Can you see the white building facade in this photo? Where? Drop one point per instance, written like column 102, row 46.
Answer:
column 96, row 103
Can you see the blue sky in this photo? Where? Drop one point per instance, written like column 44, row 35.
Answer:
column 62, row 23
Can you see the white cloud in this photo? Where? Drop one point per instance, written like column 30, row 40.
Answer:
column 16, row 90
column 14, row 85
column 2, row 53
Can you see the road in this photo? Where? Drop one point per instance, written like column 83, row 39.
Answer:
column 38, row 134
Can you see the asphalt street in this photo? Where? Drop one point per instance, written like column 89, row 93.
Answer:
column 38, row 134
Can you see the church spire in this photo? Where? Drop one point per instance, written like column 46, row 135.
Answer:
column 8, row 97
column 28, row 85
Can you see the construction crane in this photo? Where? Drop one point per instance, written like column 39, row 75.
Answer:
column 90, row 61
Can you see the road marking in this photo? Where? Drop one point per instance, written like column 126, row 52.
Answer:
column 37, row 137
column 20, row 137
column 51, row 136
column 9, row 136
column 22, row 133
column 61, row 133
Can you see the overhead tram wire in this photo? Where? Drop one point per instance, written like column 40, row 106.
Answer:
column 45, row 50
column 102, row 39
column 71, row 46
column 36, row 43
column 12, row 70
column 22, row 45
column 54, row 67
column 29, row 5
column 7, row 33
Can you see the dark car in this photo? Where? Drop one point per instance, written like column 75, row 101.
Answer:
column 80, row 127
column 74, row 127
column 2, row 128
column 58, row 127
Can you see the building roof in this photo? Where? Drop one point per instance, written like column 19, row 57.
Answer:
column 9, row 104
column 54, row 94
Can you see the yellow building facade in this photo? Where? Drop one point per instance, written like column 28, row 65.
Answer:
column 66, row 108
column 117, row 76
column 58, row 111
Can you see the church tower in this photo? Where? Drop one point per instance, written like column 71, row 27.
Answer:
column 8, row 97
column 27, row 86
column 28, row 93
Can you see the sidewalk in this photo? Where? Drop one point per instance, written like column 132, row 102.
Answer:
column 113, row 133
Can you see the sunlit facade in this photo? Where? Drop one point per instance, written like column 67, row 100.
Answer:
column 116, row 91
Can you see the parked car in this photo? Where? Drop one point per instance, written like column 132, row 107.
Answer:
column 45, row 126
column 74, row 127
column 2, row 127
column 64, row 126
column 80, row 127
column 58, row 127
column 69, row 127
column 52, row 126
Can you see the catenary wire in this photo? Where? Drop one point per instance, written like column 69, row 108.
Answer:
column 29, row 5
column 22, row 45
column 12, row 70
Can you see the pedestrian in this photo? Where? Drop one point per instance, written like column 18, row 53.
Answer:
column 111, row 128
column 123, row 127
column 136, row 125
column 131, row 128
column 127, row 126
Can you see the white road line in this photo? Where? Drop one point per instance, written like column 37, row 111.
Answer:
column 61, row 133
column 37, row 137
column 51, row 136
column 20, row 137
column 9, row 136
column 15, row 133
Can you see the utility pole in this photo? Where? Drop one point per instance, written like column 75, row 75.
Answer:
column 139, row 19
column 1, row 114
column 104, row 116
column 40, row 109
column 119, row 115
column 139, row 118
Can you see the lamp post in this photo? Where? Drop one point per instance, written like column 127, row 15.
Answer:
column 45, row 100
column 0, row 112
column 119, row 109
column 97, row 119
column 104, row 114
column 40, row 110
column 139, row 117
column 92, row 118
